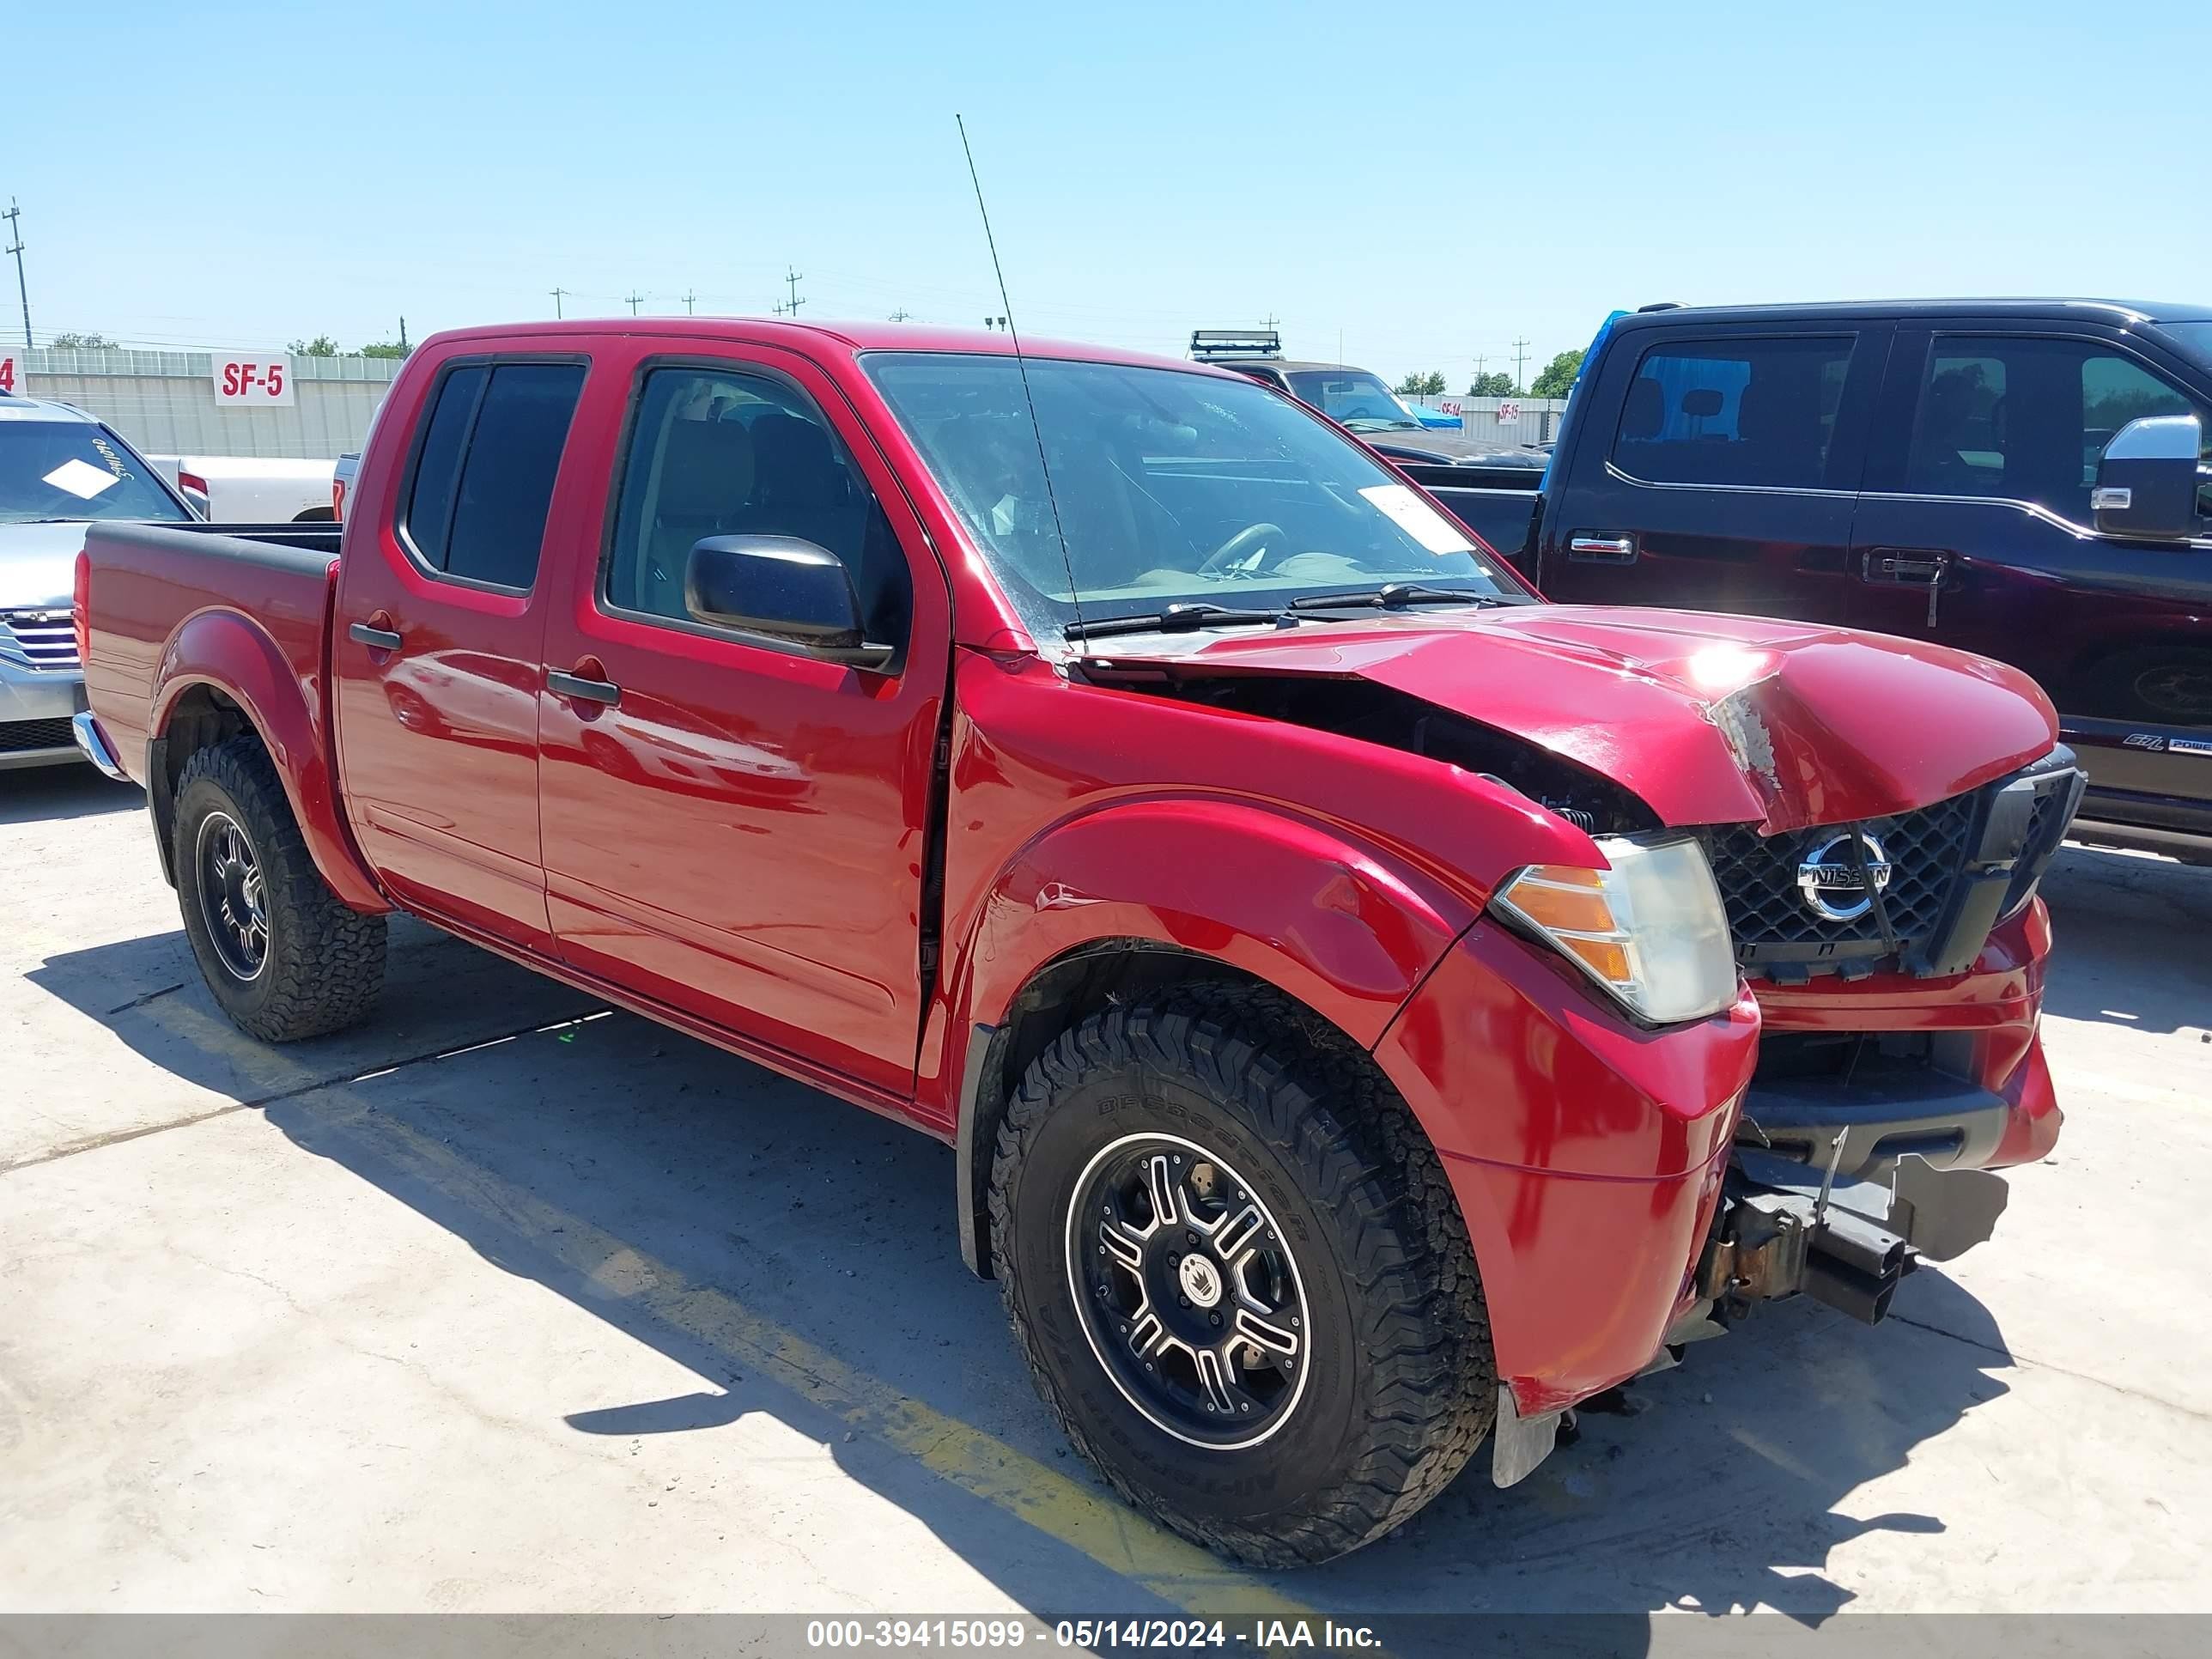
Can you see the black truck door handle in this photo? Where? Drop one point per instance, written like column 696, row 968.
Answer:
column 583, row 691
column 1601, row 547
column 376, row 639
column 1910, row 567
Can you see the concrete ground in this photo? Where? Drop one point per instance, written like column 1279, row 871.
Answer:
column 502, row 1303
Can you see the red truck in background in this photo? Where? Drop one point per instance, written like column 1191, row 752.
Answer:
column 1323, row 955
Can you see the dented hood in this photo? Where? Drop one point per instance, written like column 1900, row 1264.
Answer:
column 1708, row 719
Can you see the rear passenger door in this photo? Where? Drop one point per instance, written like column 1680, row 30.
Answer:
column 1729, row 480
column 436, row 656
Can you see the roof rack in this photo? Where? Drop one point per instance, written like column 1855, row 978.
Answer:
column 1230, row 345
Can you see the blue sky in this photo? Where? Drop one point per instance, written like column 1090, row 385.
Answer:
column 1427, row 183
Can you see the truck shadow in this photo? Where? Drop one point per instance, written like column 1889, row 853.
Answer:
column 2130, row 928
column 797, row 1255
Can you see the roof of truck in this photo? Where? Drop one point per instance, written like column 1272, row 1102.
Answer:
column 2113, row 311
column 852, row 335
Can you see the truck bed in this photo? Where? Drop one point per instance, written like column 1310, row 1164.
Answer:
column 155, row 591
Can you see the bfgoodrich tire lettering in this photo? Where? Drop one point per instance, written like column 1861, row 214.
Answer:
column 1399, row 1386
column 311, row 965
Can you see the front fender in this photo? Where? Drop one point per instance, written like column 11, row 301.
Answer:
column 229, row 653
column 1283, row 898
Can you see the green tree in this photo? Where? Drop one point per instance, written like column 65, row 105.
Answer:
column 82, row 343
column 1430, row 384
column 321, row 346
column 1496, row 384
column 1559, row 376
column 384, row 348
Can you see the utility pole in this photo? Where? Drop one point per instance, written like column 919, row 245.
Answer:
column 1478, row 361
column 633, row 300
column 901, row 314
column 558, row 294
column 793, row 278
column 402, row 337
column 688, row 297
column 14, row 217
column 1520, row 357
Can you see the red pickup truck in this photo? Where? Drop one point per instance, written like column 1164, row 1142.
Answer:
column 1326, row 957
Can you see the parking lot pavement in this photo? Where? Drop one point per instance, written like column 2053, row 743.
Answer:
column 505, row 1303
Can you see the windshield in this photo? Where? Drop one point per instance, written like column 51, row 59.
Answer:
column 1352, row 398
column 75, row 470
column 1171, row 488
column 2194, row 340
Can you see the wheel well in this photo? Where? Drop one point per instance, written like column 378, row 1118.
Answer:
column 1063, row 993
column 202, row 718
column 316, row 515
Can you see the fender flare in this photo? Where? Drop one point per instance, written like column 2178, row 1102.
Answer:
column 228, row 651
column 1337, row 925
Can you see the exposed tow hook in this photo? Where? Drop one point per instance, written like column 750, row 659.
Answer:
column 1787, row 1227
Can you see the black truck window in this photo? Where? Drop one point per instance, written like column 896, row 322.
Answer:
column 484, row 479
column 1738, row 412
column 2024, row 419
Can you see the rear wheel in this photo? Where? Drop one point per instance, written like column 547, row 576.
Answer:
column 282, row 956
column 1242, row 1282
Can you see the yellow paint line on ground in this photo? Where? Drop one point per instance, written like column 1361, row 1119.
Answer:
column 1095, row 1523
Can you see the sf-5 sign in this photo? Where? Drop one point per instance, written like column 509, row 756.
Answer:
column 252, row 382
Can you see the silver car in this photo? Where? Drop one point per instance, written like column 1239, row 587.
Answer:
column 58, row 469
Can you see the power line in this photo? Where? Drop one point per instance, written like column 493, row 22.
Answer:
column 1520, row 357
column 793, row 279
column 633, row 300
column 559, row 293
column 15, row 218
column 688, row 297
column 901, row 314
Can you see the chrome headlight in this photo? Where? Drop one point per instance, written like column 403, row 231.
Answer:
column 1650, row 930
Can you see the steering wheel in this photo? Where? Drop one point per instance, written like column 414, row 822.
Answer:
column 1249, row 539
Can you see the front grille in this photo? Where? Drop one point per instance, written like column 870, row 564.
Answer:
column 38, row 638
column 21, row 737
column 1758, row 877
column 1957, row 868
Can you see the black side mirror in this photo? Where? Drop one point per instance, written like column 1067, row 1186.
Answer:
column 2147, row 480
column 783, row 587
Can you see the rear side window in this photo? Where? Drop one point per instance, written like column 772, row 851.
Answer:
column 1734, row 412
column 483, row 481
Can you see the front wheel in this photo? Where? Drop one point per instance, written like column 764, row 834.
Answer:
column 1240, row 1279
column 284, row 957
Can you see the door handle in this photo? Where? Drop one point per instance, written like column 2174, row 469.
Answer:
column 376, row 639
column 1908, row 567
column 583, row 691
column 1602, row 547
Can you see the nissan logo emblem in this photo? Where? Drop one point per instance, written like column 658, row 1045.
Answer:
column 1829, row 878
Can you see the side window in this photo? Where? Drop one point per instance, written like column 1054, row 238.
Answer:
column 2026, row 419
column 720, row 452
column 483, row 481
column 1743, row 412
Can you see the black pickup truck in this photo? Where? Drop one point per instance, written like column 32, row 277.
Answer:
column 2024, row 478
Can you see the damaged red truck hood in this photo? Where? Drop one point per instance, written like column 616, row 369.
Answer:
column 1708, row 719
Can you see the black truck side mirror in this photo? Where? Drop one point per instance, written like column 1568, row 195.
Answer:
column 2147, row 480
column 783, row 587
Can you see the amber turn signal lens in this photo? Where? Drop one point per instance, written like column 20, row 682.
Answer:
column 1558, row 898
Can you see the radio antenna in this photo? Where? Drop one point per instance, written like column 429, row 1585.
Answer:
column 1021, row 364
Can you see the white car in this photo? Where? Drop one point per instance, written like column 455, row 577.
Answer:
column 248, row 489
column 59, row 468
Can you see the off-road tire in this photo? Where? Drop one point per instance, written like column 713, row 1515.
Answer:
column 1402, row 1385
column 324, row 965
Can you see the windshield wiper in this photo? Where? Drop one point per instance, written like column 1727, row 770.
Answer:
column 1396, row 596
column 1175, row 619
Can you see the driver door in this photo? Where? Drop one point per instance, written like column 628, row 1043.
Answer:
column 732, row 826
